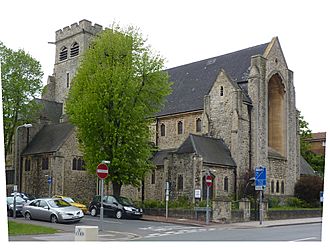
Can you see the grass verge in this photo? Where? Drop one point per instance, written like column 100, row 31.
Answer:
column 15, row 228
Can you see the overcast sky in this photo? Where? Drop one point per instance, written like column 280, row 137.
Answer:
column 187, row 31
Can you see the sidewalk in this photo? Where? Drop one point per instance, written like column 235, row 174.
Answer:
column 123, row 236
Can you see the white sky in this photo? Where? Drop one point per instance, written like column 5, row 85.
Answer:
column 187, row 31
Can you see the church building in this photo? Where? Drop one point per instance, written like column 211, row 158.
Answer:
column 226, row 116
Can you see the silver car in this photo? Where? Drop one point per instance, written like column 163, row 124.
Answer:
column 53, row 210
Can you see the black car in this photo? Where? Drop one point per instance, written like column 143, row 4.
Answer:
column 115, row 206
column 20, row 202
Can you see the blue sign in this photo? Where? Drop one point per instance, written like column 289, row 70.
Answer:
column 321, row 196
column 261, row 178
column 49, row 180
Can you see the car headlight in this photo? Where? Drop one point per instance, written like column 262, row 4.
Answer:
column 128, row 208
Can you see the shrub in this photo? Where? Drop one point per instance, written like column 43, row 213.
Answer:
column 273, row 202
column 295, row 202
column 308, row 189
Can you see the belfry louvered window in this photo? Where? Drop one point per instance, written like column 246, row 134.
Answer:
column 74, row 51
column 63, row 53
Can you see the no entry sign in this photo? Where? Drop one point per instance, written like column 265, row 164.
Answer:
column 208, row 180
column 102, row 171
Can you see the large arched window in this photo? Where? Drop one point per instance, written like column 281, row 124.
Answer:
column 63, row 53
column 276, row 115
column 74, row 51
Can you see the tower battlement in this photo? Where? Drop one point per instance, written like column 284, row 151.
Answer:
column 83, row 26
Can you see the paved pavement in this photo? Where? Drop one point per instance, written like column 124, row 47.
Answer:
column 120, row 236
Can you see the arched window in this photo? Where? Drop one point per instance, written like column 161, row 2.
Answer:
column 282, row 187
column 180, row 183
column 198, row 125
column 272, row 187
column 63, row 53
column 153, row 177
column 74, row 51
column 221, row 91
column 74, row 164
column 27, row 164
column 79, row 164
column 225, row 184
column 180, row 127
column 162, row 130
column 277, row 186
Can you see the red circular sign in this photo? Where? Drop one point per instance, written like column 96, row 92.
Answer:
column 208, row 181
column 102, row 171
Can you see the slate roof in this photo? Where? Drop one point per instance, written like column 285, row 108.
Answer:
column 51, row 111
column 191, row 82
column 159, row 156
column 213, row 151
column 49, row 139
column 305, row 168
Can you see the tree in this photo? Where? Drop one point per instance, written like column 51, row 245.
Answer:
column 315, row 160
column 116, row 91
column 308, row 189
column 21, row 78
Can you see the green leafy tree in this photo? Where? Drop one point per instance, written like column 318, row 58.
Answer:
column 21, row 78
column 315, row 160
column 118, row 87
column 308, row 189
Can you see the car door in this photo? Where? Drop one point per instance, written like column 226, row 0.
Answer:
column 43, row 211
column 33, row 208
column 107, row 205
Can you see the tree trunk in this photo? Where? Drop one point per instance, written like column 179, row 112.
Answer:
column 116, row 188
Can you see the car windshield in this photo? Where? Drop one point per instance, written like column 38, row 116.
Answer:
column 68, row 199
column 58, row 203
column 125, row 201
column 10, row 200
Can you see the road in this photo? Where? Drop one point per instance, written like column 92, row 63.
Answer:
column 142, row 230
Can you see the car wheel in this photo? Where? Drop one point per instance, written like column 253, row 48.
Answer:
column 119, row 214
column 27, row 216
column 53, row 219
column 10, row 213
column 93, row 212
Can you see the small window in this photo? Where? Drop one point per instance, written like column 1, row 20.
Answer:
column 272, row 187
column 79, row 165
column 67, row 80
column 180, row 127
column 162, row 130
column 10, row 174
column 198, row 125
column 180, row 183
column 44, row 164
column 74, row 49
column 153, row 177
column 27, row 164
column 282, row 187
column 277, row 187
column 221, row 91
column 225, row 184
column 74, row 164
column 63, row 53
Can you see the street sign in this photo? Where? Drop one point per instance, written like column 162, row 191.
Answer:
column 261, row 178
column 49, row 180
column 208, row 180
column 321, row 196
column 102, row 171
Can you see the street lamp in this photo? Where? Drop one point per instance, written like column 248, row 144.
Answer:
column 17, row 163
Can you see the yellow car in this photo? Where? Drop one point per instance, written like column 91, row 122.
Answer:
column 73, row 203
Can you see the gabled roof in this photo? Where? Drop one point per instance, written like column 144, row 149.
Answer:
column 191, row 82
column 49, row 139
column 50, row 110
column 305, row 168
column 159, row 156
column 212, row 150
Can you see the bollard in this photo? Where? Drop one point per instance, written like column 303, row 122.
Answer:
column 86, row 233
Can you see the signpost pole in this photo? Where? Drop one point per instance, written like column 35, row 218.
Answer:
column 207, row 204
column 166, row 198
column 260, row 207
column 15, row 194
column 101, row 210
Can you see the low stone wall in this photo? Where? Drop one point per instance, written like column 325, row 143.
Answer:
column 293, row 214
column 178, row 213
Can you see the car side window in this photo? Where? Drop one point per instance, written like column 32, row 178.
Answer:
column 42, row 204
column 110, row 199
column 34, row 203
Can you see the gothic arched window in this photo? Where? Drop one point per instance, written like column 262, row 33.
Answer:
column 180, row 127
column 272, row 186
column 277, row 186
column 180, row 183
column 221, row 91
column 63, row 53
column 282, row 187
column 162, row 130
column 198, row 125
column 74, row 51
column 225, row 184
column 74, row 164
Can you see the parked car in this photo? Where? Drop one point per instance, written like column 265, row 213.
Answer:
column 27, row 197
column 19, row 205
column 69, row 200
column 53, row 210
column 115, row 206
